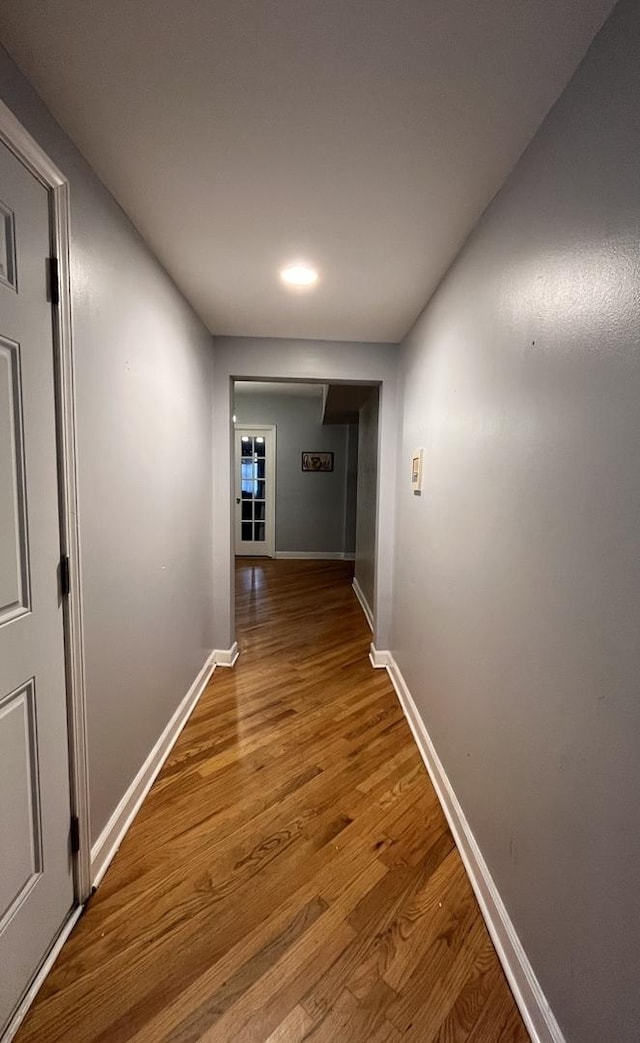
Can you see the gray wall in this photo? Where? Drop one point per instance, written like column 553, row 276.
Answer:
column 517, row 607
column 365, row 567
column 310, row 508
column 303, row 360
column 143, row 387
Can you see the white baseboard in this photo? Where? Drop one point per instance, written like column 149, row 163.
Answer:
column 364, row 604
column 379, row 660
column 315, row 555
column 114, row 832
column 225, row 656
column 532, row 1003
column 44, row 969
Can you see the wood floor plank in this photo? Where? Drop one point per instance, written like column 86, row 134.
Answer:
column 369, row 919
column 441, row 976
column 293, row 1029
column 291, row 875
column 349, row 1019
column 471, row 1000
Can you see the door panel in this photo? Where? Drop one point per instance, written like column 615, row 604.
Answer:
column 36, row 878
column 13, row 521
column 21, row 861
column 255, row 491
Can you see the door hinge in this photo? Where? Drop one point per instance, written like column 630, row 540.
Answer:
column 65, row 576
column 74, row 834
column 54, row 280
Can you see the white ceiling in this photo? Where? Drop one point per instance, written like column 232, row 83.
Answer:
column 364, row 135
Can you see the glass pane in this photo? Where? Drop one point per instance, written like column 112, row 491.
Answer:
column 259, row 490
column 246, row 532
column 246, row 510
column 259, row 531
column 248, row 475
column 259, row 507
column 260, row 466
column 260, row 446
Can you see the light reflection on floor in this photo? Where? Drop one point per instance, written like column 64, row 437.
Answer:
column 250, row 582
column 251, row 578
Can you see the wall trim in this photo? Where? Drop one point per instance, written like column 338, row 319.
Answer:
column 40, row 976
column 225, row 656
column 364, row 604
column 532, row 1003
column 380, row 660
column 315, row 555
column 118, row 825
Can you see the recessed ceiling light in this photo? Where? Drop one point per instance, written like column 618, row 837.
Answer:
column 299, row 274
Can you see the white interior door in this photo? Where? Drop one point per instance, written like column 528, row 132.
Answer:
column 255, row 481
column 36, row 881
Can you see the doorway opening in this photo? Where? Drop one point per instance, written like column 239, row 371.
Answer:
column 304, row 485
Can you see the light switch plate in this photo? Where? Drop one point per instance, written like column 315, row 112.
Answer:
column 416, row 471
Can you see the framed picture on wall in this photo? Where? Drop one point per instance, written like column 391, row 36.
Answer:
column 317, row 461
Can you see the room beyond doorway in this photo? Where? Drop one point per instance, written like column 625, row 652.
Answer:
column 305, row 474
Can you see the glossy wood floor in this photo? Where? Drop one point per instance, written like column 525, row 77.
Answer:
column 291, row 875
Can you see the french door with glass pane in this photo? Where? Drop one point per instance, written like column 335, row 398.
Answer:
column 255, row 490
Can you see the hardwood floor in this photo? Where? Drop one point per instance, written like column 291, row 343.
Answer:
column 291, row 875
